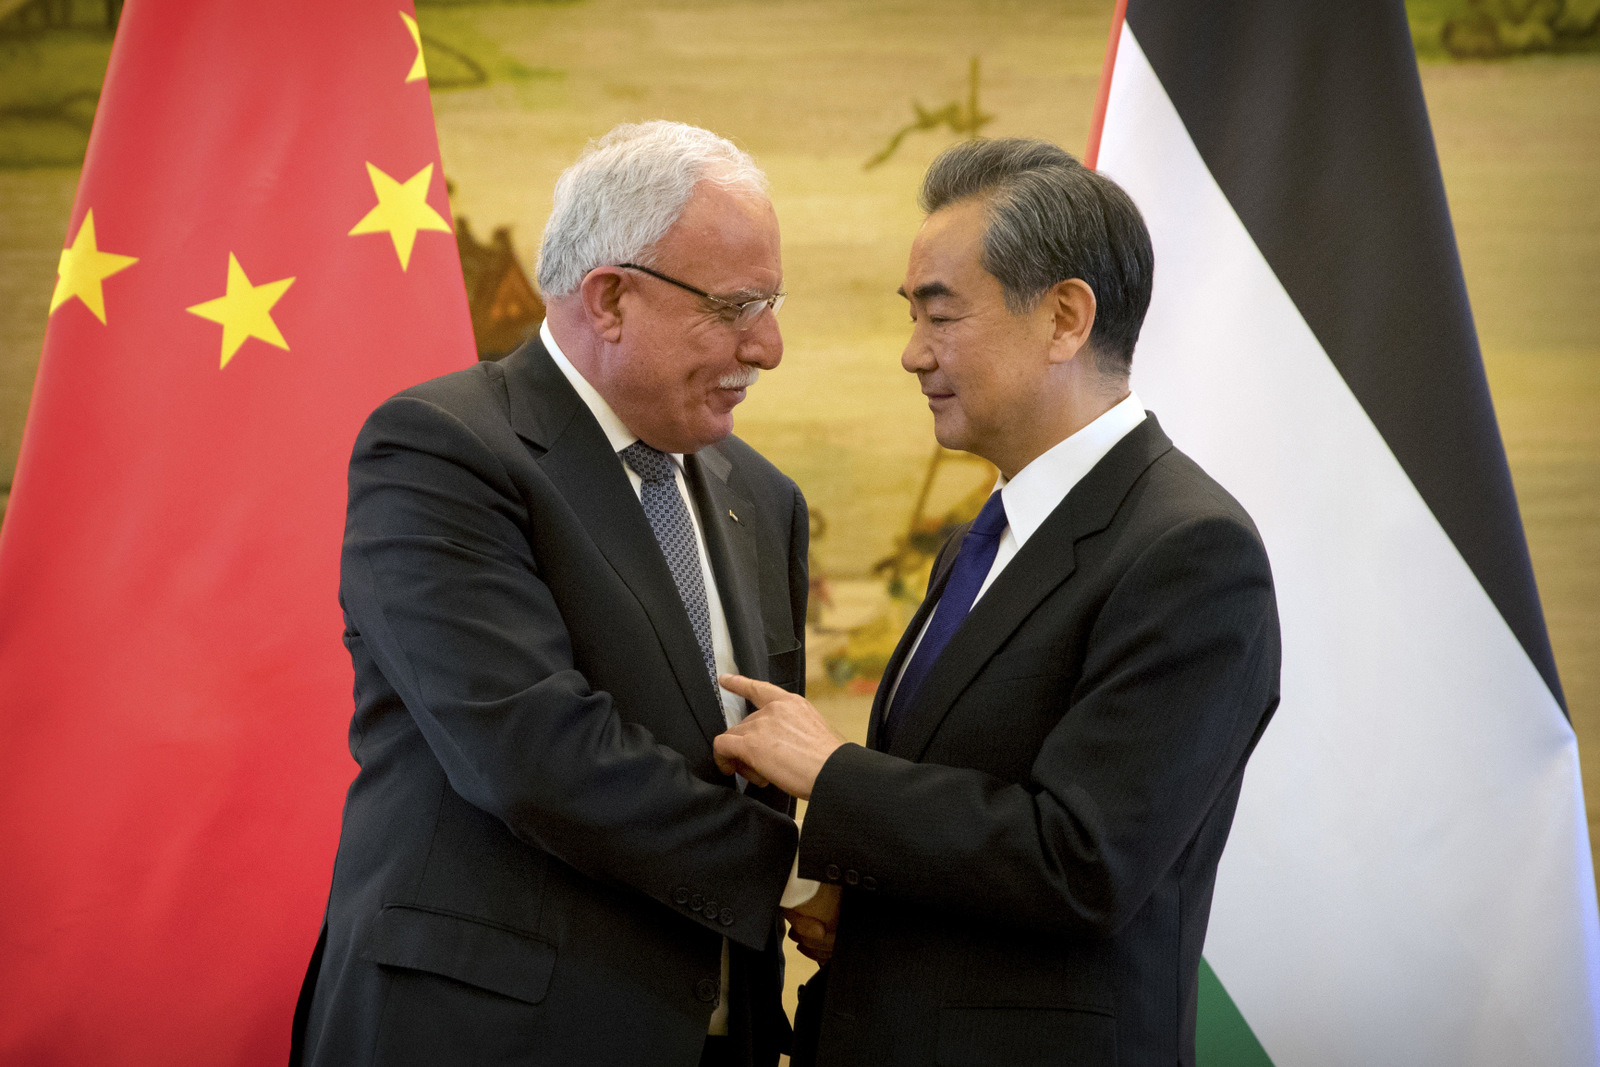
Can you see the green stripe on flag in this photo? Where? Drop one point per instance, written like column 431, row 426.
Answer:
column 1222, row 1038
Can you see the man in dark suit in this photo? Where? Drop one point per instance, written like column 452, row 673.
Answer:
column 546, row 562
column 1028, row 843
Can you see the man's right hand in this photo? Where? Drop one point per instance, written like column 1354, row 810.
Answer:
column 813, row 924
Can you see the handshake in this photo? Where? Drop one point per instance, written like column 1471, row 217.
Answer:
column 785, row 742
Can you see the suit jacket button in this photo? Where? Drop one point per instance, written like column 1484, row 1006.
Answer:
column 697, row 902
column 726, row 918
column 710, row 910
column 832, row 871
column 851, row 877
column 869, row 882
column 681, row 895
column 705, row 990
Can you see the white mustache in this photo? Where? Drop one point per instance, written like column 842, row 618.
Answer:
column 744, row 378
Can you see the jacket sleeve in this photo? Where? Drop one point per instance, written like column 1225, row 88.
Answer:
column 1181, row 672
column 439, row 580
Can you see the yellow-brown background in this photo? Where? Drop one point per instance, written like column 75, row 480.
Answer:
column 813, row 88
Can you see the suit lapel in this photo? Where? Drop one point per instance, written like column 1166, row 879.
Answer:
column 732, row 548
column 937, row 578
column 578, row 460
column 1043, row 564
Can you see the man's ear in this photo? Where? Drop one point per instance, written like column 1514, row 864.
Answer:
column 1072, row 306
column 601, row 294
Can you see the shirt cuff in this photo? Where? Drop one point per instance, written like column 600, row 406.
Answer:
column 799, row 890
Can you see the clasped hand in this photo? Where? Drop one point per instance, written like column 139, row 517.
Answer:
column 812, row 925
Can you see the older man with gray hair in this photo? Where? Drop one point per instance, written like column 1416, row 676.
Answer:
column 547, row 562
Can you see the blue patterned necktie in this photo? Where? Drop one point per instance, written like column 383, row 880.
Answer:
column 669, row 519
column 971, row 567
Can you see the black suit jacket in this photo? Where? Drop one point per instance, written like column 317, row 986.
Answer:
column 1029, row 867
column 539, row 859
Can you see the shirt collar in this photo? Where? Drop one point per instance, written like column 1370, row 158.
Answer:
column 1039, row 488
column 616, row 430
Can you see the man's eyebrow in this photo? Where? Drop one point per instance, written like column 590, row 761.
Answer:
column 746, row 293
column 927, row 290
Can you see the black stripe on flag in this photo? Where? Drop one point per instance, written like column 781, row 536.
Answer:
column 1310, row 117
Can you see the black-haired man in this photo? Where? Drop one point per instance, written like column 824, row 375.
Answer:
column 1029, row 841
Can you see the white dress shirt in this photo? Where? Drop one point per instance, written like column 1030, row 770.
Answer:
column 798, row 890
column 1041, row 486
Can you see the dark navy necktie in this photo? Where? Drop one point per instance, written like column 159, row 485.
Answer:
column 674, row 530
column 971, row 567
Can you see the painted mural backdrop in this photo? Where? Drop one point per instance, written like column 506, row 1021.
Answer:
column 844, row 104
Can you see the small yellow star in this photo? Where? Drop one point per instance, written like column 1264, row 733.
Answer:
column 244, row 310
column 402, row 210
column 419, row 69
column 83, row 267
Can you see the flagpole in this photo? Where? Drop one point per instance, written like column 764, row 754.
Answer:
column 1091, row 155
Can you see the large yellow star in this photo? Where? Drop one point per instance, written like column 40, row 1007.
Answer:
column 83, row 267
column 244, row 310
column 419, row 69
column 402, row 210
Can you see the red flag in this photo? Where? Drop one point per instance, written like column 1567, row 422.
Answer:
column 258, row 254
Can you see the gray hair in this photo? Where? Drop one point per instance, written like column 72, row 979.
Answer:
column 1050, row 219
column 626, row 190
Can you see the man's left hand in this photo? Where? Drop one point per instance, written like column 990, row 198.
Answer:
column 813, row 925
column 785, row 741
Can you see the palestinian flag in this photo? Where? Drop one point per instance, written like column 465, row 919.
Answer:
column 1408, row 881
column 259, row 253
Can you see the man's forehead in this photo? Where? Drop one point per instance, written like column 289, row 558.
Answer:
column 728, row 241
column 959, row 224
column 712, row 207
column 946, row 253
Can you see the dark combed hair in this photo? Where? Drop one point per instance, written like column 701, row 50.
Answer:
column 1050, row 219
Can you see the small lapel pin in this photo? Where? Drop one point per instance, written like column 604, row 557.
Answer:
column 732, row 516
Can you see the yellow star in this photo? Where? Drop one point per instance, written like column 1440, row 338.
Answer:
column 419, row 69
column 244, row 310
column 83, row 267
column 402, row 210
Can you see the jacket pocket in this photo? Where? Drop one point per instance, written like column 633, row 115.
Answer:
column 1026, row 1037
column 480, row 954
column 787, row 668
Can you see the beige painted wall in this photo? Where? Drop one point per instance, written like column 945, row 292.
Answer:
column 814, row 87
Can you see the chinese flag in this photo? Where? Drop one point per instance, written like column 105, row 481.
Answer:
column 259, row 253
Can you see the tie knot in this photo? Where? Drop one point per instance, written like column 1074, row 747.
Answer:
column 991, row 521
column 651, row 464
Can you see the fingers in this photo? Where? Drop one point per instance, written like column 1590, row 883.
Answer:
column 812, row 933
column 806, row 929
column 813, row 939
column 787, row 740
column 727, row 749
column 723, row 749
column 817, row 953
column 757, row 692
column 814, row 924
column 822, row 908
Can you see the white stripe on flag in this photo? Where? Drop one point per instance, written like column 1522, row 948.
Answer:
column 1408, row 881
